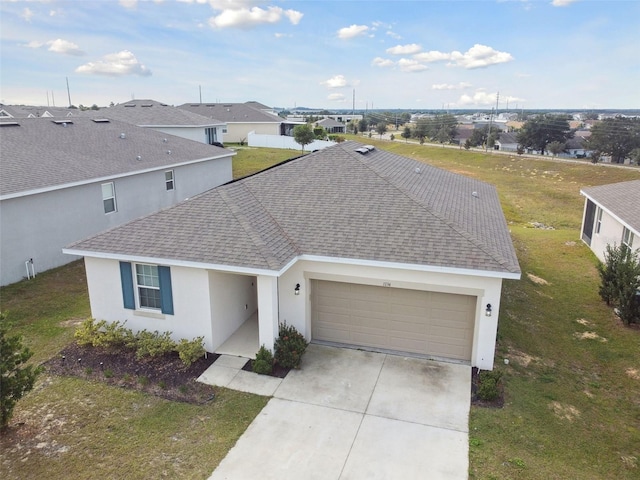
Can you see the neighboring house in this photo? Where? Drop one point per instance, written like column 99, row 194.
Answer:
column 28, row 111
column 576, row 147
column 507, row 142
column 611, row 216
column 331, row 126
column 164, row 118
column 350, row 245
column 63, row 180
column 241, row 119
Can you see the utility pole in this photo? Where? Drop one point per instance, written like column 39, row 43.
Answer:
column 47, row 98
column 68, row 91
column 200, row 88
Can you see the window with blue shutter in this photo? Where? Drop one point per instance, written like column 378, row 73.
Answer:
column 166, row 295
column 126, row 278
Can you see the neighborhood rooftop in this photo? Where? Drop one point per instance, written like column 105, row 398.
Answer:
column 232, row 112
column 338, row 203
column 621, row 199
column 46, row 153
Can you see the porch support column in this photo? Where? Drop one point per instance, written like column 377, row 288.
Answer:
column 267, row 310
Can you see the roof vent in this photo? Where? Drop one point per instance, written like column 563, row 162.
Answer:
column 62, row 122
column 168, row 152
column 122, row 135
column 369, row 147
column 129, row 104
column 362, row 150
column 138, row 158
column 101, row 120
column 9, row 124
column 475, row 194
column 418, row 170
column 147, row 105
column 164, row 140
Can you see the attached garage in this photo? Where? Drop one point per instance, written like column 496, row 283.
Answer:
column 428, row 323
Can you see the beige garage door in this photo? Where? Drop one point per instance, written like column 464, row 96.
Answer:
column 430, row 323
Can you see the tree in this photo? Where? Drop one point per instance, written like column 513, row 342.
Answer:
column 481, row 135
column 620, row 281
column 381, row 128
column 303, row 135
column 538, row 132
column 16, row 380
column 422, row 127
column 616, row 137
column 363, row 125
column 406, row 133
column 556, row 147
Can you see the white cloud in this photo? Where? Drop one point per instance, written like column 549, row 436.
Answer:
column 282, row 35
column 448, row 86
column 382, row 62
column 352, row 31
column 336, row 97
column 251, row 17
column 64, row 46
column 57, row 46
column 478, row 56
column 562, row 3
column 336, row 81
column 404, row 49
column 128, row 3
column 116, row 64
column 482, row 98
column 408, row 65
column 27, row 14
column 393, row 34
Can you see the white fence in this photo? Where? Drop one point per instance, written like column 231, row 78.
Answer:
column 281, row 141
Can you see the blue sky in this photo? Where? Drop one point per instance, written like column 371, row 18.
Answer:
column 395, row 54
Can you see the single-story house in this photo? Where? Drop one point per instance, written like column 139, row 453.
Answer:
column 507, row 142
column 351, row 245
column 331, row 126
column 611, row 216
column 62, row 180
column 241, row 119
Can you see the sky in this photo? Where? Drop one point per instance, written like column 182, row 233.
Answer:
column 419, row 55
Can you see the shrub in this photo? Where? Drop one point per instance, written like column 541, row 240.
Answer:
column 488, row 385
column 620, row 281
column 190, row 350
column 16, row 379
column 88, row 330
column 102, row 334
column 289, row 346
column 152, row 344
column 263, row 363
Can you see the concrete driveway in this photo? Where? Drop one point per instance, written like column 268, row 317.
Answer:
column 349, row 414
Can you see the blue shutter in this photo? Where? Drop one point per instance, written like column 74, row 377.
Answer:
column 166, row 297
column 126, row 278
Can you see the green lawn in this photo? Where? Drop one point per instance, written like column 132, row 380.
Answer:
column 572, row 385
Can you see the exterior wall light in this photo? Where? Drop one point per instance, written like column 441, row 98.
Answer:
column 296, row 290
column 487, row 312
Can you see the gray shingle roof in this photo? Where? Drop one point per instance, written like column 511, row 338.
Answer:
column 332, row 203
column 231, row 112
column 150, row 113
column 41, row 154
column 622, row 199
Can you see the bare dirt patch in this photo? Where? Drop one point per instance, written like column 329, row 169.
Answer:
column 566, row 412
column 522, row 358
column 585, row 322
column 633, row 373
column 589, row 336
column 537, row 280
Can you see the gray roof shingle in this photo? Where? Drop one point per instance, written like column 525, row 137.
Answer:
column 39, row 153
column 333, row 203
column 622, row 199
column 231, row 112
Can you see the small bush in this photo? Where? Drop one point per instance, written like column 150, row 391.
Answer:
column 263, row 363
column 289, row 346
column 488, row 385
column 88, row 330
column 153, row 344
column 111, row 335
column 190, row 350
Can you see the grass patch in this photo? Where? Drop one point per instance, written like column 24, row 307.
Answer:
column 91, row 430
column 249, row 160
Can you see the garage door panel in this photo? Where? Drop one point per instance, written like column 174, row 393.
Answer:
column 431, row 323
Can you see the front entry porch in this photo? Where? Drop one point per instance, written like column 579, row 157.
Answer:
column 244, row 342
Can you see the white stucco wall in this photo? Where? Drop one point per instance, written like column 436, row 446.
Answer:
column 234, row 299
column 237, row 132
column 610, row 233
column 197, row 134
column 296, row 310
column 192, row 314
column 39, row 226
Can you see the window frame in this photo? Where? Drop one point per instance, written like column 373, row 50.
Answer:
column 111, row 198
column 598, row 220
column 627, row 237
column 170, row 183
column 138, row 286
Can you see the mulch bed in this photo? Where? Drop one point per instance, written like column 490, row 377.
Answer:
column 477, row 402
column 164, row 376
column 277, row 371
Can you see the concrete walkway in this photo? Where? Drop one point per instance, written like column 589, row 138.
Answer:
column 350, row 414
